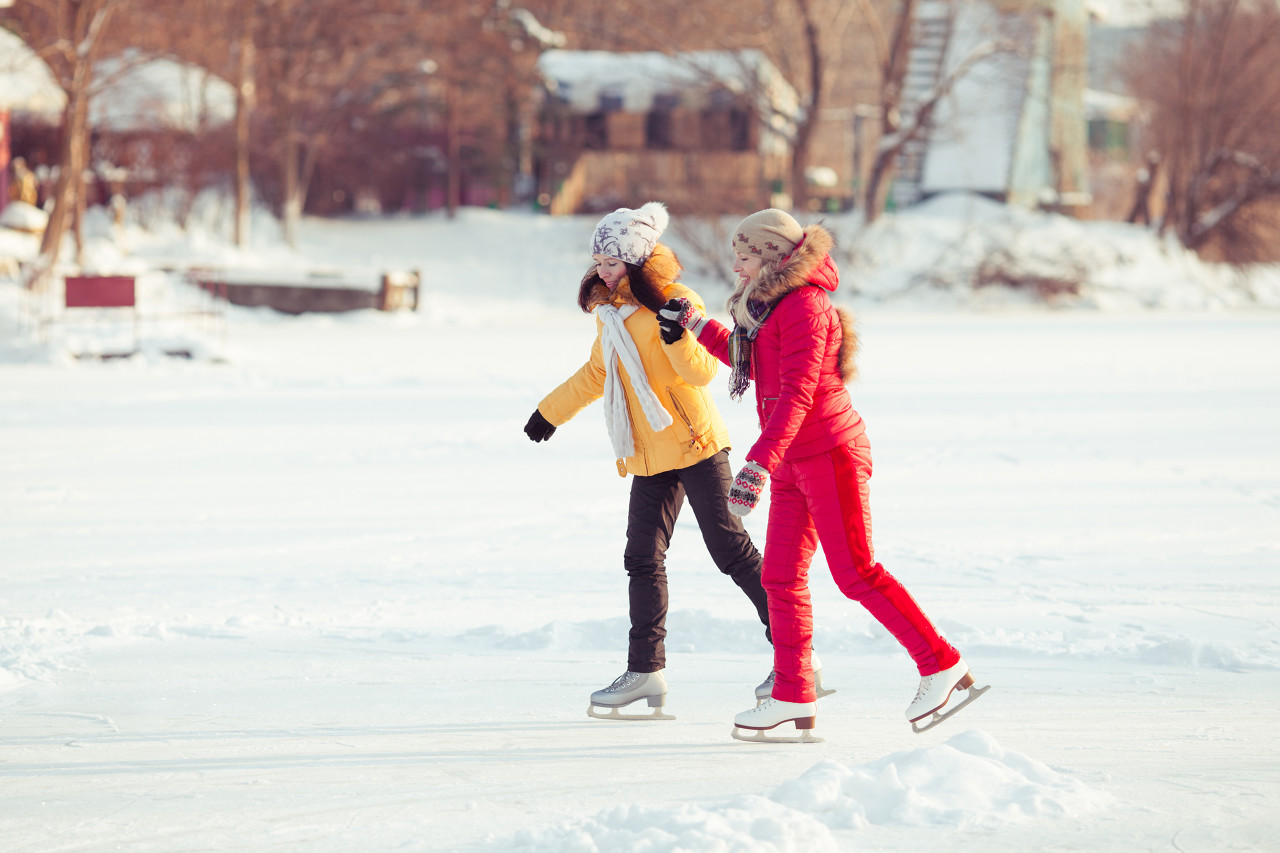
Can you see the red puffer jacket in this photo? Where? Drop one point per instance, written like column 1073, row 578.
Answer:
column 801, row 358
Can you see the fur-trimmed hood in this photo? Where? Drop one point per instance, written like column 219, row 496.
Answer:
column 809, row 265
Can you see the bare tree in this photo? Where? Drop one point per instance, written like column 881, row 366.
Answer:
column 901, row 123
column 486, row 73
column 69, row 35
column 1210, row 78
column 217, row 35
column 318, row 61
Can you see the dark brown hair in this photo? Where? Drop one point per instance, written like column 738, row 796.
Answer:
column 593, row 291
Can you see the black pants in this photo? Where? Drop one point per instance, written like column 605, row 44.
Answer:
column 655, row 504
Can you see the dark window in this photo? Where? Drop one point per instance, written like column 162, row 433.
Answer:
column 666, row 102
column 657, row 130
column 726, row 124
column 722, row 100
column 739, row 130
column 595, row 131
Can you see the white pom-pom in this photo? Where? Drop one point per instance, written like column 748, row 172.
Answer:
column 658, row 212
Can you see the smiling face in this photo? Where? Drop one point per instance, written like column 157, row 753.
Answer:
column 747, row 267
column 610, row 270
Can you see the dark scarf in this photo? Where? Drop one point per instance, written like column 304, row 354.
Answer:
column 740, row 341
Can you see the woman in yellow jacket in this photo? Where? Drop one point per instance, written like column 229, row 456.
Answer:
column 665, row 430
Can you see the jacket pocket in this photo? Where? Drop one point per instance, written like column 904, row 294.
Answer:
column 765, row 410
column 696, row 441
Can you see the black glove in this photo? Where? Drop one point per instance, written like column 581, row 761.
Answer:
column 538, row 428
column 669, row 329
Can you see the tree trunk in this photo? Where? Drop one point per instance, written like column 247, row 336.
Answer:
column 83, row 24
column 804, row 128
column 893, row 74
column 71, row 164
column 81, row 190
column 453, row 188
column 244, row 105
column 292, row 211
column 878, row 183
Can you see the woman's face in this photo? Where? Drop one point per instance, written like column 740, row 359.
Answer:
column 611, row 270
column 747, row 267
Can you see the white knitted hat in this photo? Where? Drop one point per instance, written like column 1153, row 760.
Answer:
column 630, row 235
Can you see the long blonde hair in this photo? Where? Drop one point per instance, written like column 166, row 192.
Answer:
column 741, row 298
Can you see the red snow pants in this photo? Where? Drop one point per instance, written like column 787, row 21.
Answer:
column 825, row 499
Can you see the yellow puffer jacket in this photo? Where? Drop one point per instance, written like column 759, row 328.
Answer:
column 678, row 374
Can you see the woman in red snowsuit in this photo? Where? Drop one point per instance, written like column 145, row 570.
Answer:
column 799, row 350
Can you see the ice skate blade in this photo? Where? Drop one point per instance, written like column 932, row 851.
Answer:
column 759, row 736
column 938, row 717
column 616, row 714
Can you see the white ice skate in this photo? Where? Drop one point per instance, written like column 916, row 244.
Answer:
column 772, row 713
column 631, row 687
column 935, row 691
column 765, row 688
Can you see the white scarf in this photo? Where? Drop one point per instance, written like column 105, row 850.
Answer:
column 619, row 348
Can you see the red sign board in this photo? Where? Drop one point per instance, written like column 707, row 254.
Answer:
column 100, row 291
column 4, row 158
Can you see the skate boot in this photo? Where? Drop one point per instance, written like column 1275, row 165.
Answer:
column 631, row 687
column 765, row 689
column 772, row 713
column 935, row 691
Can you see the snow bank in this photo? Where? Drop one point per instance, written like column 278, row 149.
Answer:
column 953, row 250
column 968, row 781
column 21, row 216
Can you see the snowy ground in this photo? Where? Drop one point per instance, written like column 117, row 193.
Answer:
column 324, row 595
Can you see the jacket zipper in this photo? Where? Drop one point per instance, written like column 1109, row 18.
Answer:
column 635, row 440
column 695, row 443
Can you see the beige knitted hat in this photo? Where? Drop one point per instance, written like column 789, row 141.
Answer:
column 768, row 234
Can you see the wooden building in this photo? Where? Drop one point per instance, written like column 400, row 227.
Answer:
column 704, row 131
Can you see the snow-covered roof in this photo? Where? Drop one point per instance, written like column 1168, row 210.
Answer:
column 129, row 93
column 159, row 93
column 580, row 78
column 26, row 85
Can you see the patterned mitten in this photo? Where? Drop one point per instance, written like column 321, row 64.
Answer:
column 669, row 330
column 682, row 313
column 538, row 428
column 747, row 487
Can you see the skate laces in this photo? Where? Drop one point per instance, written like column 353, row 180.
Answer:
column 925, row 684
column 622, row 682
